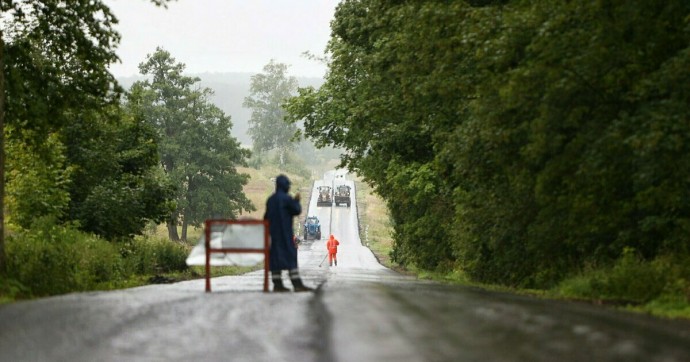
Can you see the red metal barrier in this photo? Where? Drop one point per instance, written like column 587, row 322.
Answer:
column 265, row 249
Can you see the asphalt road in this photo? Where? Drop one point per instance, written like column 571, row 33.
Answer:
column 360, row 312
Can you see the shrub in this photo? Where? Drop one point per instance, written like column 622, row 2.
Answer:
column 632, row 280
column 37, row 180
column 11, row 289
column 50, row 259
column 154, row 256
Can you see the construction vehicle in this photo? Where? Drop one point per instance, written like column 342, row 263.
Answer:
column 342, row 195
column 312, row 228
column 325, row 198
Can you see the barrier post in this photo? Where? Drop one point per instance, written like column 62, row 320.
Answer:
column 207, row 242
column 267, row 254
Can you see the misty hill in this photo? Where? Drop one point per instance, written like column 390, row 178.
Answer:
column 230, row 90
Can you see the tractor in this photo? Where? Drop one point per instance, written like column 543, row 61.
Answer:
column 342, row 195
column 312, row 228
column 325, row 198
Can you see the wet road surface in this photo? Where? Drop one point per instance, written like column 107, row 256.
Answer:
column 360, row 312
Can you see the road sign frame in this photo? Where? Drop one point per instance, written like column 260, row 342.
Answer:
column 208, row 224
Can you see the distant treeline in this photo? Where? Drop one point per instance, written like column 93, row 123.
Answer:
column 520, row 142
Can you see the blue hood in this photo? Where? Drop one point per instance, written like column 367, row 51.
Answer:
column 282, row 183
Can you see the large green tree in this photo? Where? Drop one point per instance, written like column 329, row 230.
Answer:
column 197, row 151
column 375, row 104
column 117, row 185
column 268, row 92
column 3, row 261
column 54, row 56
column 563, row 142
column 517, row 140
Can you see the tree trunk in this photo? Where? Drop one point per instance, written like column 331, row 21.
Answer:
column 172, row 231
column 184, row 229
column 2, row 156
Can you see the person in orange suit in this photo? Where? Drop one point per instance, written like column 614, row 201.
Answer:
column 332, row 246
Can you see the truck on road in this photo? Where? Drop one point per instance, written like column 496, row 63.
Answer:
column 342, row 195
column 325, row 198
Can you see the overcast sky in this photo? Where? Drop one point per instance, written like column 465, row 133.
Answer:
column 224, row 35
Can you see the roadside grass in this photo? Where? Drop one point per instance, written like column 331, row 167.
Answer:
column 660, row 287
column 52, row 259
column 375, row 227
column 671, row 301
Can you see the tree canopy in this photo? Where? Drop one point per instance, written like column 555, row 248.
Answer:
column 268, row 92
column 518, row 141
column 197, row 152
column 53, row 59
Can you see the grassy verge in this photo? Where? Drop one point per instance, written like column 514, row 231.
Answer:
column 639, row 287
column 660, row 287
column 54, row 259
column 636, row 286
column 376, row 231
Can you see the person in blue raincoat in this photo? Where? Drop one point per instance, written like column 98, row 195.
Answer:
column 281, row 208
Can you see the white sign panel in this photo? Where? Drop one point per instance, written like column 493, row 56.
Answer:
column 236, row 236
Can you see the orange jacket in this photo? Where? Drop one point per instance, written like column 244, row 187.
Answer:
column 332, row 245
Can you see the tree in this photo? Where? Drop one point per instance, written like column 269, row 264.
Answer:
column 37, row 186
column 53, row 58
column 381, row 103
column 518, row 141
column 197, row 151
column 267, row 126
column 117, row 185
column 3, row 262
